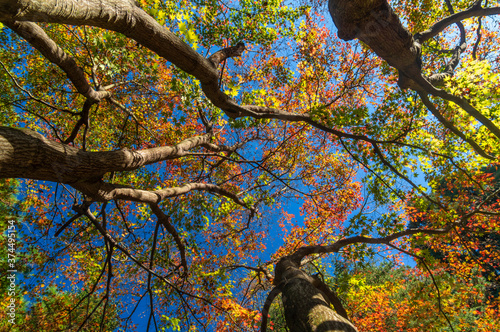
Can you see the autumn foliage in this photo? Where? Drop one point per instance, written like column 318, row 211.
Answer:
column 171, row 155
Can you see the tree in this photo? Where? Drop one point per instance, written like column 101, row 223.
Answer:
column 167, row 138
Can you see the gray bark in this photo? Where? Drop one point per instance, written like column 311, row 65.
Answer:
column 374, row 23
column 27, row 154
column 307, row 309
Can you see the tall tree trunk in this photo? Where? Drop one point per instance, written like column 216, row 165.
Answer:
column 307, row 309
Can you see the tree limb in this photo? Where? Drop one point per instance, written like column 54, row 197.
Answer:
column 330, row 295
column 267, row 305
column 165, row 221
column 475, row 10
column 27, row 154
column 228, row 52
column 50, row 50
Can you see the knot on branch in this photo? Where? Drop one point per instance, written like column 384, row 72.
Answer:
column 228, row 52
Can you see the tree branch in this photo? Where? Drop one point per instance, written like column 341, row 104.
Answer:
column 335, row 247
column 228, row 52
column 103, row 192
column 165, row 221
column 330, row 295
column 438, row 79
column 50, row 50
column 27, row 154
column 84, row 120
column 267, row 305
column 452, row 127
column 475, row 10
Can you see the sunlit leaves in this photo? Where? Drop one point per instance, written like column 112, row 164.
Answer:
column 382, row 298
column 378, row 164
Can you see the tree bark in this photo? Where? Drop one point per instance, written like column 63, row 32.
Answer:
column 29, row 155
column 375, row 23
column 307, row 309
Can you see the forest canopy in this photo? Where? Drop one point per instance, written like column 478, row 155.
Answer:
column 250, row 165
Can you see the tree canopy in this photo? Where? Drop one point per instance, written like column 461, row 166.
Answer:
column 185, row 162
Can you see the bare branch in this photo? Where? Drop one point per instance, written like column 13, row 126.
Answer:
column 164, row 220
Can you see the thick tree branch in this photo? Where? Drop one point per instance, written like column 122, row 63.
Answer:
column 306, row 306
column 330, row 295
column 27, row 154
column 126, row 18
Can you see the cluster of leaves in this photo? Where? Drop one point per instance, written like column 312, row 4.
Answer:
column 48, row 308
column 385, row 298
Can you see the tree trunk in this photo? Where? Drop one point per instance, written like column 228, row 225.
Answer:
column 307, row 309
